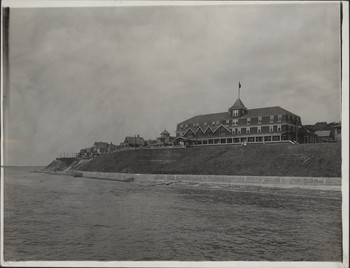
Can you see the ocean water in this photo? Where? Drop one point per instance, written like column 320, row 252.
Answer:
column 55, row 217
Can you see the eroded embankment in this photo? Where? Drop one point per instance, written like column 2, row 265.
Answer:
column 303, row 160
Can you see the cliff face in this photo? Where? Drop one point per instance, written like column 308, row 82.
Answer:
column 66, row 164
column 310, row 160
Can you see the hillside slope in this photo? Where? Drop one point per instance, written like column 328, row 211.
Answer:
column 311, row 160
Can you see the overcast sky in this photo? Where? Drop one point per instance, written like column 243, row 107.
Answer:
column 80, row 75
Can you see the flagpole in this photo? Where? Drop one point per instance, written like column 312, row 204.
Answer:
column 239, row 89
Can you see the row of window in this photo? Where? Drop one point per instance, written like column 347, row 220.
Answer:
column 234, row 122
column 243, row 139
column 245, row 130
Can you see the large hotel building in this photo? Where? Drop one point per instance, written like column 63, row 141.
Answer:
column 242, row 125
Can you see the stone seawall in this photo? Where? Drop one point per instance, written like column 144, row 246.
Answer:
column 333, row 183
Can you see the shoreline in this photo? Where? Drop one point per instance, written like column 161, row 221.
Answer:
column 315, row 183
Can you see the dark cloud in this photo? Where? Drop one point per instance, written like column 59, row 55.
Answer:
column 79, row 75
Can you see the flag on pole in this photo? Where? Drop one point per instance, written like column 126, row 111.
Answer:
column 239, row 85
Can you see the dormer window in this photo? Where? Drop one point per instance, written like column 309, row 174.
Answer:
column 259, row 119
column 248, row 121
column 235, row 113
column 271, row 118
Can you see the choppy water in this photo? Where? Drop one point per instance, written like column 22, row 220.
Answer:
column 53, row 217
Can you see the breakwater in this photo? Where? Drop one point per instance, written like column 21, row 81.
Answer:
column 304, row 182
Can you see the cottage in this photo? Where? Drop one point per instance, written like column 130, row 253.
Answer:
column 135, row 141
column 323, row 135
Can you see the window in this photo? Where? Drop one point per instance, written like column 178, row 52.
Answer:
column 234, row 122
column 251, row 139
column 248, row 130
column 279, row 128
column 217, row 123
column 186, row 125
column 227, row 122
column 271, row 119
column 235, row 112
column 181, row 126
column 248, row 121
column 258, row 139
column 205, row 123
column 194, row 124
column 197, row 124
column 271, row 128
column 259, row 129
column 277, row 138
column 239, row 131
column 267, row 138
column 233, row 131
column 279, row 118
column 222, row 133
column 259, row 119
column 213, row 123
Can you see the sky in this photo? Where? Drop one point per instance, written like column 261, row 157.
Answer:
column 80, row 75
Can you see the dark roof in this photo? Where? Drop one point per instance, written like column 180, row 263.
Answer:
column 238, row 105
column 275, row 110
column 132, row 140
column 337, row 125
column 101, row 145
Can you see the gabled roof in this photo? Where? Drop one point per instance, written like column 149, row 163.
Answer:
column 209, row 127
column 222, row 126
column 189, row 129
column 238, row 105
column 267, row 111
column 133, row 140
column 165, row 132
column 200, row 129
